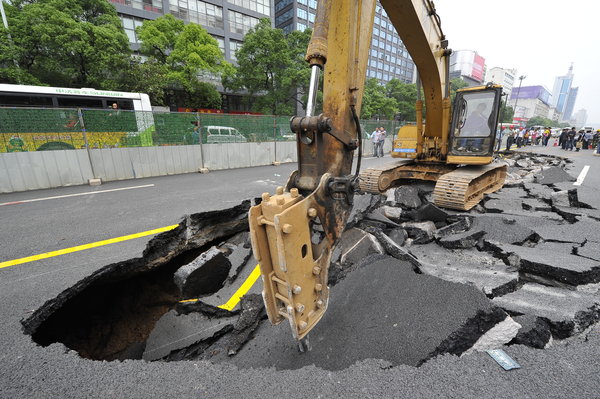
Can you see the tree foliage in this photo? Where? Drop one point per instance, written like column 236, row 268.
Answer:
column 376, row 101
column 455, row 85
column 405, row 95
column 271, row 68
column 178, row 55
column 74, row 43
column 506, row 113
column 541, row 121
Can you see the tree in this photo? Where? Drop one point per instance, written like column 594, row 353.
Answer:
column 376, row 102
column 405, row 95
column 455, row 85
column 179, row 54
column 74, row 43
column 272, row 69
column 540, row 121
column 506, row 113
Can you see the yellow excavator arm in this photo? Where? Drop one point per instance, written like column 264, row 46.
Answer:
column 294, row 231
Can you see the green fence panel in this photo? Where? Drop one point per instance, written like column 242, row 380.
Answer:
column 26, row 129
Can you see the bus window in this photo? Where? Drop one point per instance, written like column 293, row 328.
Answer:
column 79, row 102
column 11, row 100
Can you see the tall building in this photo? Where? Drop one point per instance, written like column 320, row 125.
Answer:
column 502, row 76
column 467, row 65
column 560, row 92
column 579, row 118
column 226, row 21
column 530, row 101
column 571, row 98
column 388, row 58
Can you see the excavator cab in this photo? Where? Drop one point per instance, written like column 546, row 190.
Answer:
column 474, row 123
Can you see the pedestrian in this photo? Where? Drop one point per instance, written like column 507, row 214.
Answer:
column 510, row 139
column 546, row 138
column 520, row 137
column 381, row 142
column 374, row 138
column 587, row 139
column 578, row 140
column 571, row 139
column 596, row 139
column 562, row 139
column 501, row 135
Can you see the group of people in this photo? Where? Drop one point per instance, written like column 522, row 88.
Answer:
column 378, row 138
column 522, row 137
column 580, row 140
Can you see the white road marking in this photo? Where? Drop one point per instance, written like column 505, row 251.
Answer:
column 582, row 175
column 74, row 195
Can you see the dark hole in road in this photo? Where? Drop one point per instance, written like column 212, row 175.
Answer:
column 110, row 314
column 110, row 318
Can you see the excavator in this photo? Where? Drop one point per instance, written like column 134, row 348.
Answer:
column 295, row 230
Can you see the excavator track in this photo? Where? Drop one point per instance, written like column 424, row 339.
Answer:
column 465, row 187
column 377, row 180
column 456, row 188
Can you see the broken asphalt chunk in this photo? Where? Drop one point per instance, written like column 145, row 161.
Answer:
column 566, row 311
column 468, row 239
column 205, row 275
column 407, row 197
column 534, row 332
column 553, row 175
column 551, row 267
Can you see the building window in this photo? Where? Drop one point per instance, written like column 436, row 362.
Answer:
column 260, row 6
column 288, row 28
column 282, row 4
column 301, row 27
column 302, row 14
column 305, row 2
column 129, row 25
column 312, row 4
column 311, row 17
column 221, row 42
column 284, row 17
column 199, row 12
column 147, row 5
column 241, row 23
column 234, row 45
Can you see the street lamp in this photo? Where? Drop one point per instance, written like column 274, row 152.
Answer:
column 518, row 91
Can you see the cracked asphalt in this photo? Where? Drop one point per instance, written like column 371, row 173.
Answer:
column 567, row 369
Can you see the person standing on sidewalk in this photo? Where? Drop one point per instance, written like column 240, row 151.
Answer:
column 381, row 141
column 571, row 139
column 562, row 139
column 374, row 138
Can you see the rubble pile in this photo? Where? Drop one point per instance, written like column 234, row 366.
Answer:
column 412, row 281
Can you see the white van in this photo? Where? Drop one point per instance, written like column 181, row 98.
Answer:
column 222, row 134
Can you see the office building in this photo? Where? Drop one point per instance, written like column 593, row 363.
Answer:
column 571, row 98
column 579, row 118
column 467, row 65
column 530, row 101
column 503, row 77
column 388, row 58
column 560, row 92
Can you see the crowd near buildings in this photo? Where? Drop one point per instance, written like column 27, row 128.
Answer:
column 229, row 20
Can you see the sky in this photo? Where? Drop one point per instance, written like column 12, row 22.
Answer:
column 538, row 38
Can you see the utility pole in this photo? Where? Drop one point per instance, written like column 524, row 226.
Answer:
column 518, row 91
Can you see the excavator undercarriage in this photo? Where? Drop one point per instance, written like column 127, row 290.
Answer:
column 458, row 188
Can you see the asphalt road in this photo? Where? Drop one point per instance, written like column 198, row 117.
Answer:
column 30, row 371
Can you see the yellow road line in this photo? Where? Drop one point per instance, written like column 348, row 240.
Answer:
column 244, row 288
column 84, row 247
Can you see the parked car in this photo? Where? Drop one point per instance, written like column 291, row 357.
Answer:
column 222, row 134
